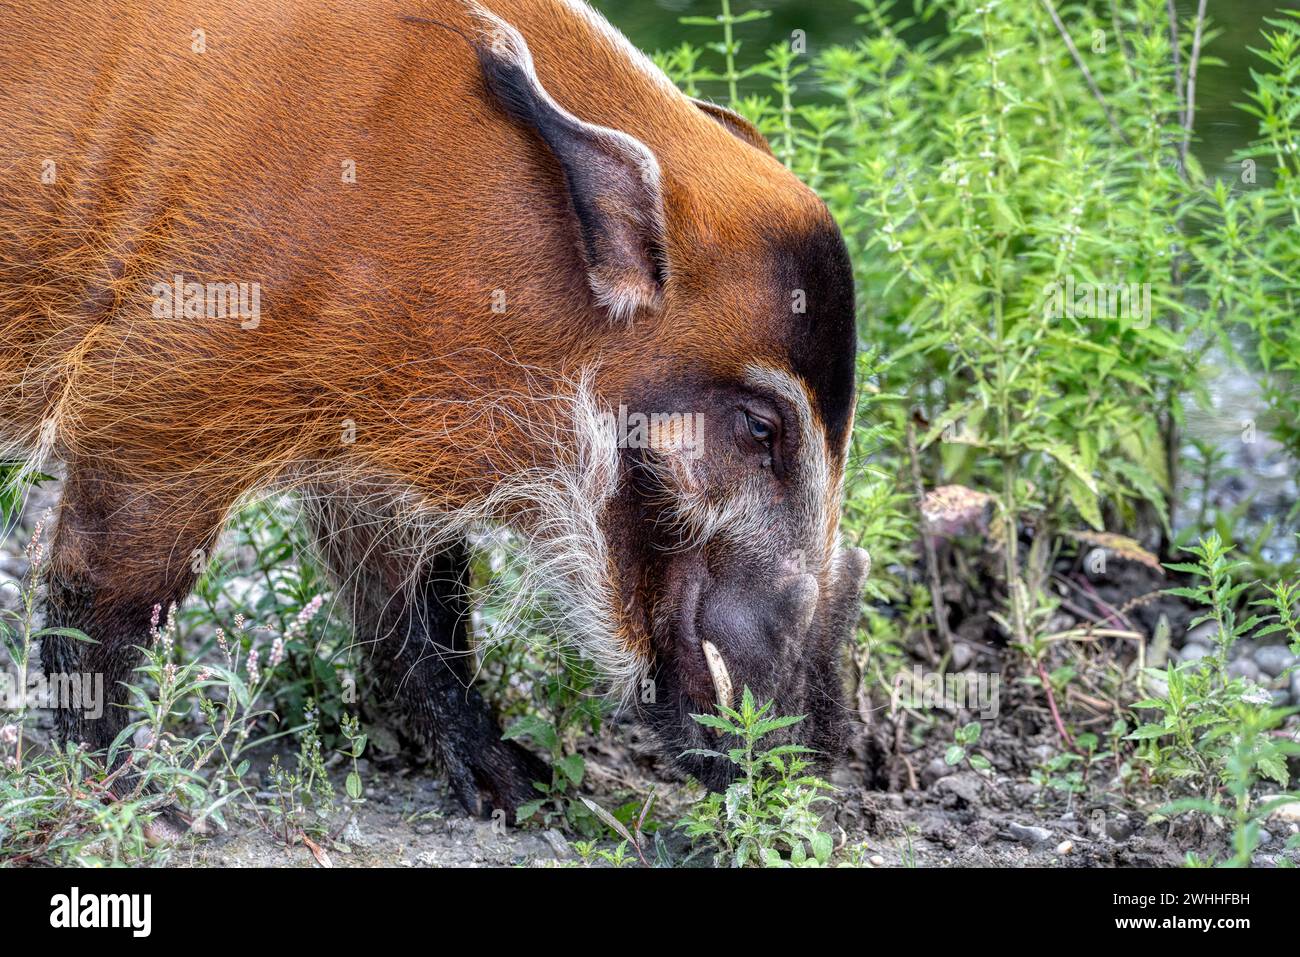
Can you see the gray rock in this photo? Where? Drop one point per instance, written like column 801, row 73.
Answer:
column 1202, row 634
column 1157, row 687
column 1244, row 668
column 559, row 846
column 1025, row 792
column 1026, row 834
column 1274, row 659
column 965, row 786
column 533, row 846
column 936, row 769
column 1281, row 697
column 1043, row 753
column 962, row 655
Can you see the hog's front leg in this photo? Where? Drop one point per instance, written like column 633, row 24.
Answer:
column 410, row 620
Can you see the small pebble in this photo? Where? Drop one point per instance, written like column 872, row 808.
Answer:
column 1029, row 835
column 1244, row 668
column 1202, row 634
column 1065, row 847
column 877, row 860
column 936, row 769
column 1274, row 659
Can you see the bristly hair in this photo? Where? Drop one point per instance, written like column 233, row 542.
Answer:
column 568, row 577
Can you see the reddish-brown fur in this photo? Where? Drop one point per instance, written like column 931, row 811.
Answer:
column 377, row 295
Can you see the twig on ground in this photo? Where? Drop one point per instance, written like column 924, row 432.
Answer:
column 1051, row 703
column 937, row 602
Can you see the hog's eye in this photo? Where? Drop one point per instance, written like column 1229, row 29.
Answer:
column 758, row 434
column 758, row 429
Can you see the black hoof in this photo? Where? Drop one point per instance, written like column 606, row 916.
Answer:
column 498, row 778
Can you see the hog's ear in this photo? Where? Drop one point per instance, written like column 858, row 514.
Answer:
column 735, row 124
column 613, row 179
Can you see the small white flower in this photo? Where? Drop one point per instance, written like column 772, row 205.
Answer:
column 1257, row 695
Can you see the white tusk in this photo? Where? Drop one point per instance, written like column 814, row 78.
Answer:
column 718, row 671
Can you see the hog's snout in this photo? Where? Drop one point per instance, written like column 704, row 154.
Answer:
column 780, row 638
column 754, row 630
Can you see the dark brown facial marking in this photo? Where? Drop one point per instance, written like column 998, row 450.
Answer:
column 824, row 337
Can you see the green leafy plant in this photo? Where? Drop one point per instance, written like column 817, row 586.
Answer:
column 633, row 831
column 1247, row 749
column 15, row 480
column 1062, row 772
column 1283, row 599
column 979, row 171
column 1213, row 732
column 962, row 749
column 1248, row 242
column 568, row 705
column 767, row 815
column 186, row 753
column 264, row 572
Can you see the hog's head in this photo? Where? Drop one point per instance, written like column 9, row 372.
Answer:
column 723, row 398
